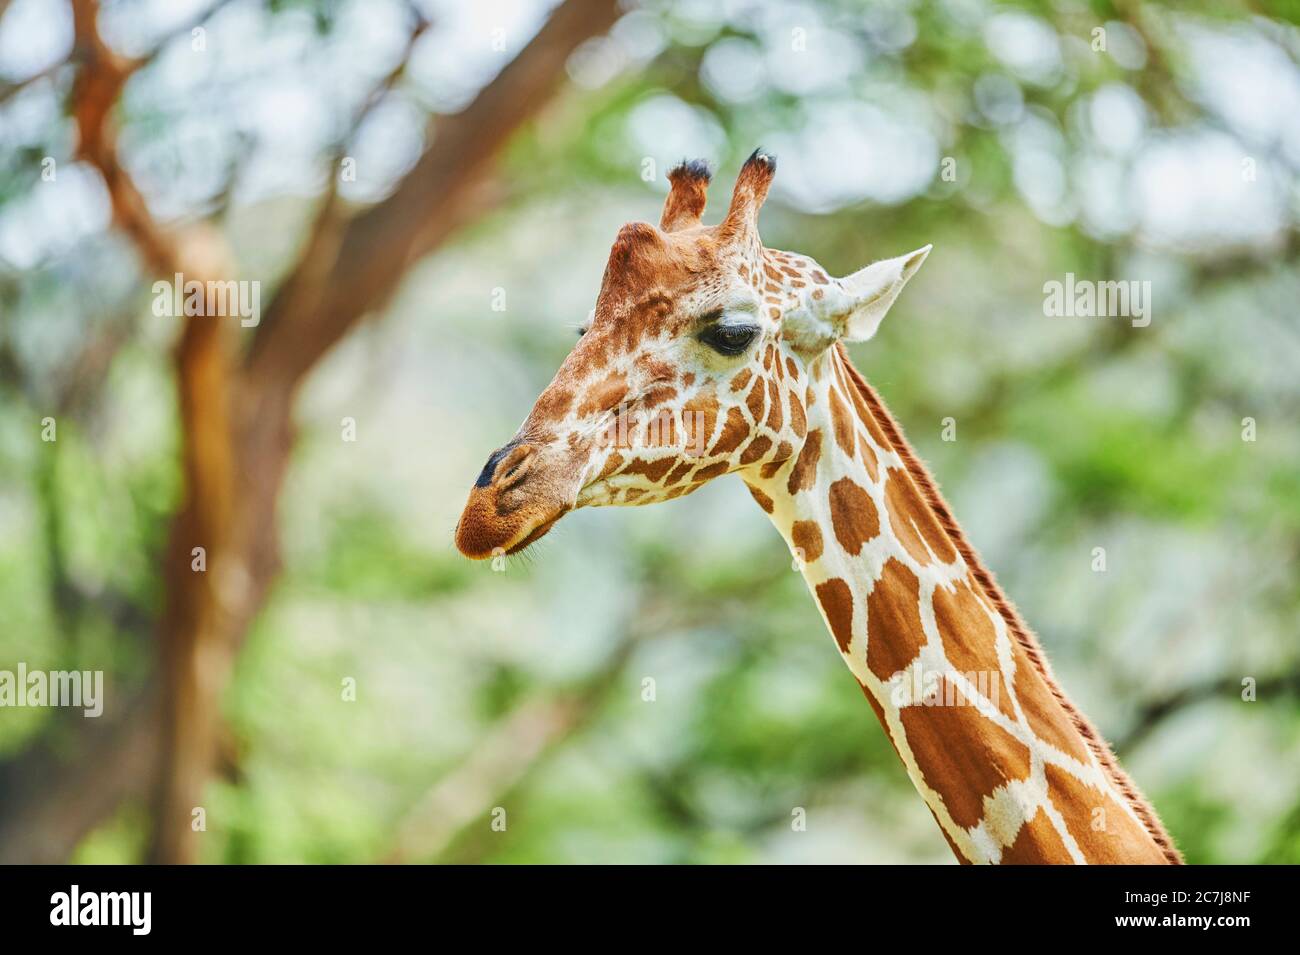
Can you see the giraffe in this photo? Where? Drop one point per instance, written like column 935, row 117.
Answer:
column 709, row 354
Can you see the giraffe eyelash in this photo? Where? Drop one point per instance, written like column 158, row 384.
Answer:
column 729, row 340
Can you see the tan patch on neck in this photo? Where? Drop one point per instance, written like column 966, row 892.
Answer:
column 894, row 635
column 1120, row 841
column 843, row 422
column 764, row 501
column 853, row 515
column 804, row 473
column 1037, row 843
column 807, row 536
column 837, row 603
column 970, row 640
column 964, row 764
column 1048, row 721
column 869, row 461
column 866, row 417
column 913, row 522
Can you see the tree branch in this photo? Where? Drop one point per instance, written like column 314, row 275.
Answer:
column 434, row 199
column 1156, row 712
column 237, row 421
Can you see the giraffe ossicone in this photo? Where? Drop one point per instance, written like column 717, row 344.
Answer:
column 708, row 354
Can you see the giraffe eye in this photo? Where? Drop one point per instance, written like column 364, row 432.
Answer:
column 729, row 339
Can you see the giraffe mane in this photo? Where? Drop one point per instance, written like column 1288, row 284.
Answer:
column 921, row 476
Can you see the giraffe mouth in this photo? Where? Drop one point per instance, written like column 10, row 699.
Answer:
column 537, row 533
column 490, row 526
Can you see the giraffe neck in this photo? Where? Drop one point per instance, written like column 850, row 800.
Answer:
column 1009, row 769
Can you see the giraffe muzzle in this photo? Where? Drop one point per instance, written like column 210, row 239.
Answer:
column 516, row 500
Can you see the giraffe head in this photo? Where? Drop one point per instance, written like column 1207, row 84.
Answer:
column 694, row 364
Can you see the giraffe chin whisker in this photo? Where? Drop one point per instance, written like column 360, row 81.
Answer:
column 536, row 534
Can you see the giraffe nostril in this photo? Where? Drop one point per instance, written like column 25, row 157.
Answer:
column 513, row 476
column 489, row 469
column 510, row 462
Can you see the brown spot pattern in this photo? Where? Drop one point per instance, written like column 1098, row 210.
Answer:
column 804, row 473
column 553, row 405
column 658, row 395
column 755, row 400
column 894, row 635
column 653, row 470
column 970, row 640
column 837, row 603
column 733, row 432
column 807, row 536
column 773, row 406
column 843, row 422
column 1037, row 843
column 963, row 776
column 699, row 418
column 1046, row 719
column 612, row 464
column 756, row 449
column 603, row 396
column 913, row 521
column 853, row 515
column 798, row 423
column 869, row 460
column 679, row 472
column 764, row 501
column 710, row 471
column 1121, row 841
column 868, row 420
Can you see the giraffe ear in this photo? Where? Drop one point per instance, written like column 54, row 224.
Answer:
column 850, row 308
column 752, row 184
column 686, row 198
column 872, row 291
